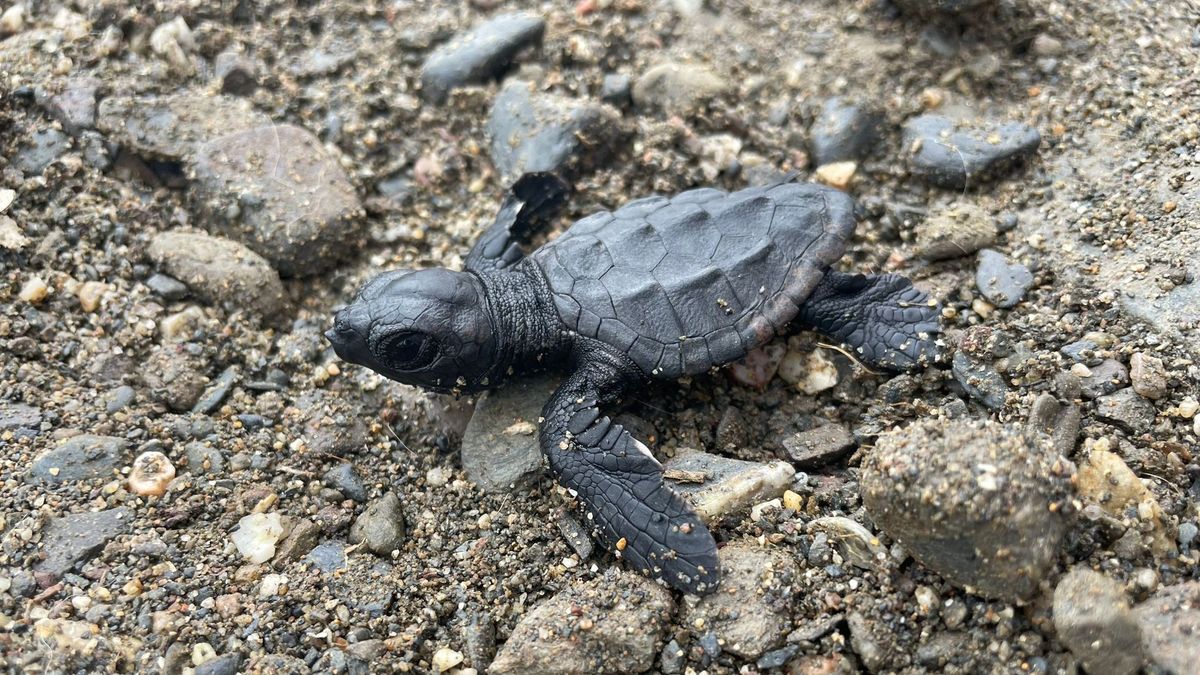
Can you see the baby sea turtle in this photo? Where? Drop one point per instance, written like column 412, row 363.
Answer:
column 662, row 287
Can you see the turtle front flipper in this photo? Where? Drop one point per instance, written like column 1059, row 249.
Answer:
column 626, row 504
column 886, row 321
column 532, row 202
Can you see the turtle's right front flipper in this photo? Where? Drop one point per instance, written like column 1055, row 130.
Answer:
column 630, row 510
column 532, row 202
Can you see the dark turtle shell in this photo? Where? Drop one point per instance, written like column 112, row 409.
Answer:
column 685, row 283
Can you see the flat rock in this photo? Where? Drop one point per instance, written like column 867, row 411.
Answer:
column 819, row 446
column 380, row 526
column 957, row 156
column 277, row 190
column 172, row 127
column 612, row 624
column 1057, row 420
column 980, row 380
column 957, row 231
column 78, row 537
column 18, row 416
column 1149, row 376
column 74, row 105
column 976, row 502
column 748, row 612
column 329, row 556
column 40, row 150
column 843, row 131
column 80, row 458
column 1002, row 283
column 1104, row 378
column 1093, row 619
column 1126, row 410
column 332, row 424
column 546, row 132
column 677, row 87
column 719, row 485
column 1170, row 622
column 345, row 479
column 219, row 271
column 500, row 450
column 480, row 55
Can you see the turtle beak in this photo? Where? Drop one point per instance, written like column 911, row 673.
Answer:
column 349, row 334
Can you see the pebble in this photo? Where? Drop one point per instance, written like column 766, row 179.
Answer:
column 1126, row 410
column 757, row 368
column 855, row 543
column 819, row 446
column 1107, row 482
column 1170, row 622
column 500, row 450
column 152, row 473
column 672, row 658
column 1187, row 534
column 276, row 189
column 172, row 127
column 42, row 148
column 380, row 526
column 237, row 71
column 617, row 90
column 977, row 502
column 173, row 41
column 677, row 87
column 1003, row 283
column 873, row 642
column 168, row 288
column 843, row 131
column 810, row 372
column 256, row 536
column 980, row 380
column 482, row 54
column 79, row 537
column 1103, row 378
column 1060, row 422
column 1149, row 376
column 226, row 664
column 729, row 485
column 34, row 291
column 15, row 416
column 332, row 423
column 300, row 535
column 272, row 585
column 957, row 231
column 219, row 271
column 446, row 658
column 80, row 457
column 1092, row 618
column 575, row 534
column 204, row 459
column 836, row 174
column 329, row 556
column 345, row 479
column 174, row 377
column 215, row 394
column 74, row 106
column 957, row 156
column 90, row 294
column 616, row 620
column 12, row 21
column 532, row 131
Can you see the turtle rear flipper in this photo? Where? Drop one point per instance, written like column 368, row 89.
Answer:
column 885, row 320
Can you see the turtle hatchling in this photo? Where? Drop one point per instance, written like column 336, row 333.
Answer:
column 662, row 287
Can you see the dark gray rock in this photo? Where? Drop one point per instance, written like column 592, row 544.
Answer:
column 328, row 557
column 613, row 623
column 75, row 105
column 843, row 131
column 380, row 526
column 172, row 127
column 1001, row 282
column 168, row 288
column 819, row 446
column 980, row 380
column 81, row 458
column 19, row 416
column 617, row 90
column 777, row 658
column 957, row 156
column 748, row 615
column 873, row 641
column 217, row 392
column 277, row 190
column 237, row 71
column 1126, row 410
column 1106, row 377
column 977, row 502
column 219, row 271
column 78, row 537
column 575, row 534
column 1093, row 619
column 1060, row 422
column 677, row 87
column 1170, row 622
column 500, row 448
column 1081, row 351
column 227, row 664
column 672, row 659
column 545, row 132
column 119, row 398
column 345, row 479
column 42, row 148
column 204, row 459
column 483, row 54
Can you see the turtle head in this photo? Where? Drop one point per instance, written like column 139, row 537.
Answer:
column 429, row 328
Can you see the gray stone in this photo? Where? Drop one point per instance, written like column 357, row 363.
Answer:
column 81, row 458
column 500, row 448
column 78, row 537
column 168, row 288
column 380, row 526
column 119, row 398
column 75, row 105
column 617, row 90
column 843, row 131
column 175, row 377
column 1002, row 283
column 545, row 132
column 328, row 557
column 332, row 424
column 172, row 127
column 42, row 148
column 1170, row 622
column 227, row 664
column 954, row 232
column 854, row 542
column 219, row 271
column 216, row 393
column 1060, row 422
column 277, row 190
column 480, row 55
column 980, row 380
column 1081, row 351
column 958, row 156
column 1187, row 534
column 575, row 534
column 610, row 624
column 345, row 479
column 1148, row 375
column 819, row 446
column 672, row 659
column 204, row 459
column 19, row 416
column 1126, row 410
column 874, row 642
column 977, row 502
column 719, row 485
column 1106, row 377
column 1092, row 618
column 677, row 87
column 300, row 536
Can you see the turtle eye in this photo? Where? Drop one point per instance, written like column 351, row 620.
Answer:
column 407, row 350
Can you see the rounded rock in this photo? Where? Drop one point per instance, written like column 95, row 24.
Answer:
column 152, row 473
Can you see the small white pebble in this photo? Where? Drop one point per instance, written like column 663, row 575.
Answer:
column 436, row 477
column 90, row 294
column 202, row 653
column 256, row 536
column 1080, row 370
column 34, row 291
column 272, row 584
column 445, row 659
column 152, row 472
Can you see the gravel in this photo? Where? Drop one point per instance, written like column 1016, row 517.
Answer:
column 1092, row 617
column 381, row 526
column 482, row 54
column 499, row 447
column 844, row 131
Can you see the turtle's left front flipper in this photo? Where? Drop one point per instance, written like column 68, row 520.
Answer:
column 630, row 510
column 888, row 323
column 532, row 202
